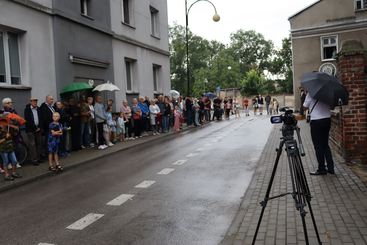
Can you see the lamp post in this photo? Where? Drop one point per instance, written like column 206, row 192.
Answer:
column 216, row 18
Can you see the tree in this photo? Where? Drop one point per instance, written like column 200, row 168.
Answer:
column 252, row 84
column 282, row 66
column 248, row 56
column 199, row 57
column 251, row 50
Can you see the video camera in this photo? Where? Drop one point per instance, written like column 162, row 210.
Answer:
column 288, row 119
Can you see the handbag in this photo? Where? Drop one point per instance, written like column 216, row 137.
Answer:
column 106, row 128
column 308, row 118
column 136, row 116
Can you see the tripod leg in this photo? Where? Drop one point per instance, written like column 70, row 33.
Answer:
column 306, row 195
column 265, row 202
column 314, row 221
column 303, row 214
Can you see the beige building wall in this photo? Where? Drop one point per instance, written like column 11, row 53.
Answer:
column 324, row 18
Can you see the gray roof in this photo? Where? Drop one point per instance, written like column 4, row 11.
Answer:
column 303, row 10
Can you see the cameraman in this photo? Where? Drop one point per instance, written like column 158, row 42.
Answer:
column 320, row 126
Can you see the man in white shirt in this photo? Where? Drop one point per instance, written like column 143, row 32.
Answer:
column 320, row 128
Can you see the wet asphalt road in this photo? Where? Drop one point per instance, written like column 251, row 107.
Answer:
column 194, row 203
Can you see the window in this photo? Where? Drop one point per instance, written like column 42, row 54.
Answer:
column 361, row 4
column 9, row 59
column 125, row 11
column 156, row 73
column 329, row 47
column 84, row 7
column 154, row 20
column 129, row 66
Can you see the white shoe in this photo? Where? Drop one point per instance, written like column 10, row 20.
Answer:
column 18, row 165
column 91, row 145
column 100, row 147
column 110, row 144
column 105, row 146
column 10, row 166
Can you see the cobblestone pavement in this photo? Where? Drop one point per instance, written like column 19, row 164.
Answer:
column 339, row 202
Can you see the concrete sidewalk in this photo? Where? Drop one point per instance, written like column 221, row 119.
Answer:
column 339, row 202
column 32, row 173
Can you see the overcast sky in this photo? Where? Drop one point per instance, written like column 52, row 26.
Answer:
column 268, row 17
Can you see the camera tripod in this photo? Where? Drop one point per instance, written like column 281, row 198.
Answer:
column 301, row 192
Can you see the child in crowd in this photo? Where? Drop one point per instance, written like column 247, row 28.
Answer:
column 54, row 137
column 154, row 110
column 177, row 117
column 120, row 127
column 8, row 154
column 109, row 127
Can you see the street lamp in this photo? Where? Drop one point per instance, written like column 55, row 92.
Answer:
column 216, row 18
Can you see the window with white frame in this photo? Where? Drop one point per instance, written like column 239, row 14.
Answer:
column 9, row 59
column 125, row 4
column 129, row 68
column 329, row 47
column 361, row 4
column 154, row 21
column 156, row 77
column 84, row 7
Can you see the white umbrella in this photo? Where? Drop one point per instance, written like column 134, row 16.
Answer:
column 106, row 87
column 174, row 94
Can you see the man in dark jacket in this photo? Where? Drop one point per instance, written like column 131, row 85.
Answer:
column 46, row 111
column 33, row 123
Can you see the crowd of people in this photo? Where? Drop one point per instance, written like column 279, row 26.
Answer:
column 56, row 128
column 258, row 103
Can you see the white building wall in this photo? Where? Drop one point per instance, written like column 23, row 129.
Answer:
column 35, row 46
column 142, row 47
column 143, row 75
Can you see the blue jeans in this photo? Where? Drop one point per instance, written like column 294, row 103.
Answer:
column 9, row 157
column 165, row 123
column 85, row 133
column 197, row 118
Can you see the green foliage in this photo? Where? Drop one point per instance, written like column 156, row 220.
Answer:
column 238, row 65
column 253, row 83
column 282, row 66
column 251, row 50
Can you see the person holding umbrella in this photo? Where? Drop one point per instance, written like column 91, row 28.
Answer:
column 324, row 92
column 320, row 127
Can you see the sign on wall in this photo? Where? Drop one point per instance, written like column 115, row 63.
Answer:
column 328, row 68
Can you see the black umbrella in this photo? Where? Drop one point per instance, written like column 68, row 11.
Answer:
column 325, row 88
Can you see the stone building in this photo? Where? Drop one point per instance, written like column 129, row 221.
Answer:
column 331, row 36
column 318, row 32
column 48, row 44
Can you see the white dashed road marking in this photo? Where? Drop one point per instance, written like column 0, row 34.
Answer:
column 118, row 201
column 84, row 222
column 166, row 171
column 45, row 243
column 192, row 154
column 200, row 149
column 145, row 184
column 179, row 162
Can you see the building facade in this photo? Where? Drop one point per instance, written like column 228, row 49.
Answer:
column 27, row 58
column 48, row 44
column 318, row 33
column 140, row 47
